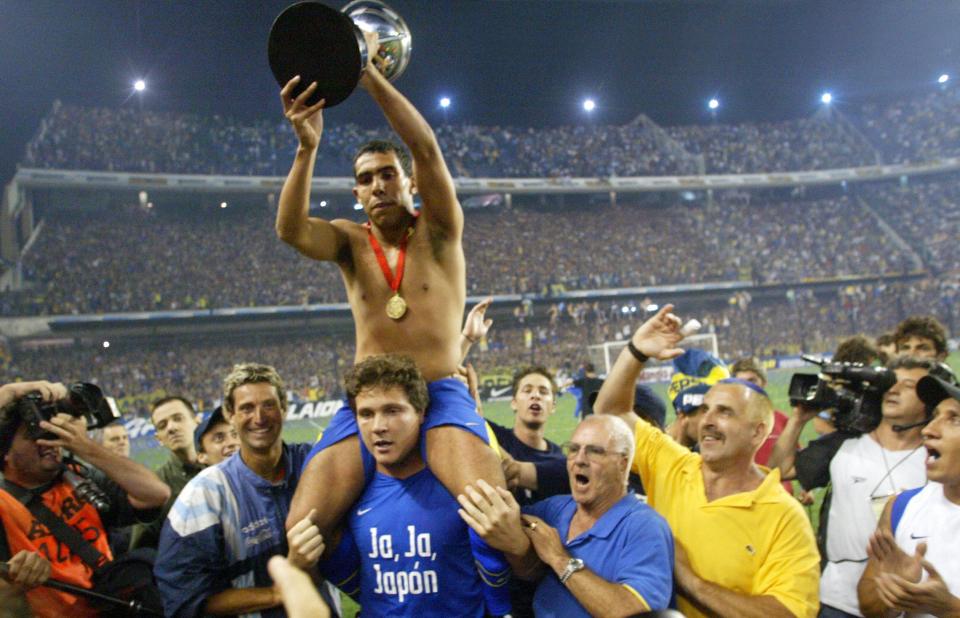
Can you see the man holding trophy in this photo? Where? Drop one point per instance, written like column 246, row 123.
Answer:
column 404, row 272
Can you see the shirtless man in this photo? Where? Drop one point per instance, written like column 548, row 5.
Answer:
column 420, row 261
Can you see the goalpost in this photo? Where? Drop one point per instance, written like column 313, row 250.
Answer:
column 604, row 355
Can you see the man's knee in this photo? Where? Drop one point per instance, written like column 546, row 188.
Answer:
column 458, row 457
column 331, row 482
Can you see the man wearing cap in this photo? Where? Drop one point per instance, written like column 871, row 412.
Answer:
column 175, row 421
column 914, row 566
column 744, row 547
column 215, row 439
column 863, row 472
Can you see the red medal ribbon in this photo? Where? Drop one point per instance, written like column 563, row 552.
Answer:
column 394, row 283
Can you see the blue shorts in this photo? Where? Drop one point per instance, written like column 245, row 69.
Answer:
column 450, row 404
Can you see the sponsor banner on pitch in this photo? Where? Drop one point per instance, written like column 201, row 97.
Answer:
column 140, row 427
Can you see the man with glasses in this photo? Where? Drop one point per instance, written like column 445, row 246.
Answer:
column 597, row 552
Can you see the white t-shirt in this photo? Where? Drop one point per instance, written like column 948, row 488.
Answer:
column 932, row 519
column 861, row 470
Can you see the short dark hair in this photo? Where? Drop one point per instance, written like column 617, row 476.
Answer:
column 910, row 362
column 856, row 349
column 165, row 400
column 748, row 363
column 925, row 326
column 388, row 370
column 386, row 147
column 531, row 369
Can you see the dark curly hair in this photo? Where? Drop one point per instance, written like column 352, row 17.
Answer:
column 925, row 326
column 386, row 371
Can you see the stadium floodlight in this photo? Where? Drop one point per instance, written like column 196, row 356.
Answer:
column 358, row 206
column 943, row 79
column 106, row 344
column 713, row 104
column 444, row 102
column 323, row 203
column 223, row 204
column 589, row 105
column 139, row 85
column 826, row 98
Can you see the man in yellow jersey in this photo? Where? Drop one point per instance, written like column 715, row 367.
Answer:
column 744, row 546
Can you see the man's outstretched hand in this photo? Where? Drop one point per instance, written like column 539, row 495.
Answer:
column 658, row 337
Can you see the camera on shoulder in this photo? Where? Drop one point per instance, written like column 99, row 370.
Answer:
column 851, row 391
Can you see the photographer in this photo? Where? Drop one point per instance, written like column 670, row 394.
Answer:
column 863, row 471
column 53, row 515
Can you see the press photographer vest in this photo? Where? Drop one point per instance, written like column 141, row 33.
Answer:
column 24, row 532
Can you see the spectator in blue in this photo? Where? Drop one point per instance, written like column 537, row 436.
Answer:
column 597, row 552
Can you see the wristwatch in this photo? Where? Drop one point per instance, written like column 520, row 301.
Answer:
column 575, row 564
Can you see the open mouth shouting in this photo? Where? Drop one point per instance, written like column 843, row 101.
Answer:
column 581, row 480
column 933, row 455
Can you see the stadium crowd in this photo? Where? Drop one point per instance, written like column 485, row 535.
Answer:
column 553, row 334
column 915, row 129
column 189, row 261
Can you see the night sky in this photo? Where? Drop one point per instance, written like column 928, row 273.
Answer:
column 518, row 62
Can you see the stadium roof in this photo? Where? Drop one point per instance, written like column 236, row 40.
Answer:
column 519, row 62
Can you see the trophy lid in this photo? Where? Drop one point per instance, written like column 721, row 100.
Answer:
column 320, row 44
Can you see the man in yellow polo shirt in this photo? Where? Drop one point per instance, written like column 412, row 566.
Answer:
column 744, row 546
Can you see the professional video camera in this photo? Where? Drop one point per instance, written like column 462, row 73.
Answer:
column 83, row 400
column 853, row 392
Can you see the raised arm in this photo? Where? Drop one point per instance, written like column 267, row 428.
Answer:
column 144, row 489
column 784, row 453
column 656, row 338
column 313, row 237
column 431, row 176
column 475, row 327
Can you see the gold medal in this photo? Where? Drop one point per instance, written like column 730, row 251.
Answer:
column 396, row 307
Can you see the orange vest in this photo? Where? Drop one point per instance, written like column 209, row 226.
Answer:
column 24, row 532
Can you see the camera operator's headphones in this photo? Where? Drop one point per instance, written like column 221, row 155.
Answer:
column 942, row 371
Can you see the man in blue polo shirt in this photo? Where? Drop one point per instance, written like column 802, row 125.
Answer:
column 599, row 551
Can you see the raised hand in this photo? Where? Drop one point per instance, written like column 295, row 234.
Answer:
column 546, row 542
column 930, row 596
column 475, row 326
column 307, row 120
column 494, row 514
column 891, row 559
column 305, row 542
column 658, row 337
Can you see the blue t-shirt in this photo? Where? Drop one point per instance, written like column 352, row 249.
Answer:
column 551, row 464
column 630, row 545
column 414, row 550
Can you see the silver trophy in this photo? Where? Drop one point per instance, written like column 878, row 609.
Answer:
column 323, row 45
